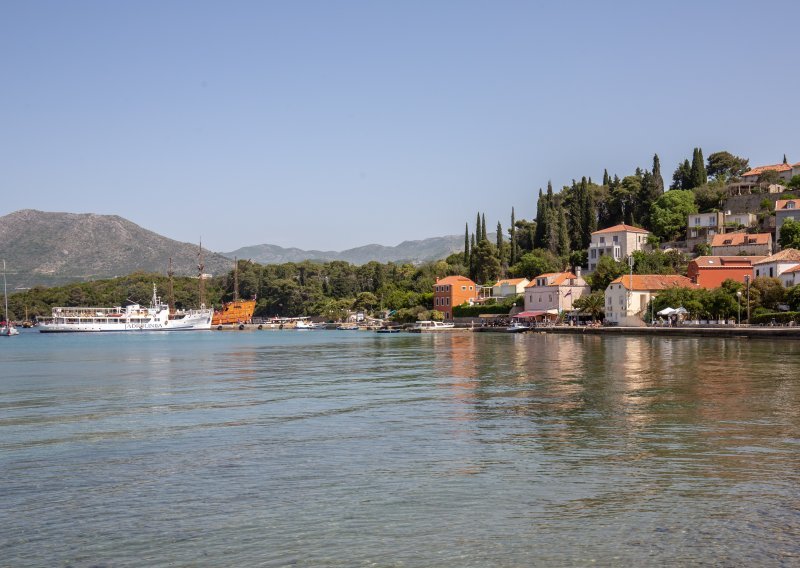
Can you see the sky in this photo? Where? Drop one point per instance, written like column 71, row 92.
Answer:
column 335, row 124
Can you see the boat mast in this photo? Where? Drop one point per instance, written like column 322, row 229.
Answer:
column 200, row 268
column 171, row 289
column 235, row 279
column 5, row 297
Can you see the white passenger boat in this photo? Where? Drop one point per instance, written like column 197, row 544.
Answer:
column 427, row 325
column 134, row 317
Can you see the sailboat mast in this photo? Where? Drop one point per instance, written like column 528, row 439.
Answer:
column 5, row 299
column 200, row 271
column 235, row 279
column 171, row 289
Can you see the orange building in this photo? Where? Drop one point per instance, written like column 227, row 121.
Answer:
column 711, row 271
column 453, row 291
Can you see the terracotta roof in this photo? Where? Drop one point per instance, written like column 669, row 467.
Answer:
column 761, row 169
column 653, row 281
column 621, row 227
column 793, row 269
column 454, row 280
column 511, row 281
column 782, row 203
column 705, row 262
column 786, row 255
column 740, row 239
column 558, row 278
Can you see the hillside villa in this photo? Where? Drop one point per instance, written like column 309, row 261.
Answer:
column 785, row 172
column 628, row 296
column 619, row 241
column 785, row 209
column 453, row 291
column 732, row 244
column 702, row 227
column 553, row 292
column 509, row 288
column 775, row 265
column 791, row 277
column 711, row 271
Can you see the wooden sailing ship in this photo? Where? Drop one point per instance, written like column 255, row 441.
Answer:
column 238, row 311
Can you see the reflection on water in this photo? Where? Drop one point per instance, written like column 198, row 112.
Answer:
column 342, row 449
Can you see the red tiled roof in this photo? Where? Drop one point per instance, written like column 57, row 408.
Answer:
column 711, row 262
column 621, row 227
column 511, row 281
column 654, row 281
column 454, row 280
column 761, row 169
column 558, row 278
column 782, row 203
column 786, row 255
column 740, row 239
column 793, row 269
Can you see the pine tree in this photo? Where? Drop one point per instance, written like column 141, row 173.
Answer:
column 466, row 244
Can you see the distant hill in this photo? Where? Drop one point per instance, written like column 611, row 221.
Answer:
column 50, row 249
column 408, row 251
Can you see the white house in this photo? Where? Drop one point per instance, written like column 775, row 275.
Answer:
column 628, row 296
column 619, row 241
column 785, row 172
column 509, row 287
column 775, row 265
column 555, row 291
column 791, row 277
column 785, row 209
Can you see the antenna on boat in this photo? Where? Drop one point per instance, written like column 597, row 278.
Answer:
column 171, row 289
column 200, row 268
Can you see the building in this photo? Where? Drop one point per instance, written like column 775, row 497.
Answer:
column 453, row 291
column 619, row 242
column 733, row 244
column 509, row 287
column 785, row 209
column 555, row 291
column 785, row 172
column 628, row 297
column 775, row 265
column 791, row 277
column 702, row 227
column 711, row 271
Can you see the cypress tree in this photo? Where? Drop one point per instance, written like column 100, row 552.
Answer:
column 784, row 159
column 541, row 224
column 659, row 181
column 477, row 230
column 699, row 174
column 466, row 244
column 483, row 228
column 499, row 237
column 472, row 258
column 576, row 213
column 589, row 217
column 563, row 233
column 606, row 179
column 513, row 235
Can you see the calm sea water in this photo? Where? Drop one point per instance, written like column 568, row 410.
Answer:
column 358, row 449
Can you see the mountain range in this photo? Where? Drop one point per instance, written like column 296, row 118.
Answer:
column 50, row 249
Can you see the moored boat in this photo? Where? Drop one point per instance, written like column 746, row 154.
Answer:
column 428, row 325
column 133, row 317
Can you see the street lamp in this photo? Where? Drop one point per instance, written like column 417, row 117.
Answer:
column 747, row 283
column 739, row 298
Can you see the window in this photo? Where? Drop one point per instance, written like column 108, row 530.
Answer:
column 770, row 272
column 790, row 205
column 602, row 240
column 697, row 220
column 616, row 239
column 593, row 253
column 464, row 288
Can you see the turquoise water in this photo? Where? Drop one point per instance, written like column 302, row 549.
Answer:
column 329, row 448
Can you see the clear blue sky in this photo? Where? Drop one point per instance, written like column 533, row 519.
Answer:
column 333, row 124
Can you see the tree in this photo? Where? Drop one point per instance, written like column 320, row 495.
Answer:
column 699, row 174
column 682, row 178
column 725, row 166
column 541, row 213
column 670, row 212
column 794, row 183
column 709, row 196
column 513, row 238
column 487, row 265
column 607, row 269
column 790, row 234
column 593, row 304
column 770, row 291
column 769, row 177
column 534, row 263
column 483, row 227
column 659, row 180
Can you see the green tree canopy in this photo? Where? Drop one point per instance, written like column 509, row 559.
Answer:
column 534, row 263
column 790, row 234
column 726, row 166
column 669, row 213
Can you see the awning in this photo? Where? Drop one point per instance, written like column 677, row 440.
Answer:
column 666, row 312
column 537, row 313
